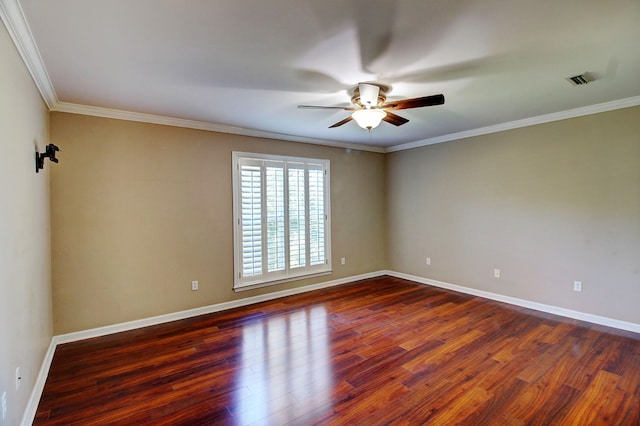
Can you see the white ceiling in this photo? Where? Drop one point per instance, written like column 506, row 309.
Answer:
column 243, row 66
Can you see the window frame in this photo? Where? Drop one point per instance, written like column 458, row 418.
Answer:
column 290, row 273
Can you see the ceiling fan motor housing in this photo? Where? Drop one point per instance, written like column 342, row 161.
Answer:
column 356, row 98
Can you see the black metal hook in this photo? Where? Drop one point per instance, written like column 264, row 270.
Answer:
column 49, row 153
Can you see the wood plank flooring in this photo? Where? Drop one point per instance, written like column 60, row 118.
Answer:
column 380, row 351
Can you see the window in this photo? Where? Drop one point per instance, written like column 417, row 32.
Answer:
column 281, row 218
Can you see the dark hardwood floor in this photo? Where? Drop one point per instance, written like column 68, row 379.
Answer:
column 381, row 351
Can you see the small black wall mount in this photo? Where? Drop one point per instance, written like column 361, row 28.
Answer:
column 50, row 153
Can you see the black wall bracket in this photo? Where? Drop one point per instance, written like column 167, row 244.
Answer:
column 50, row 153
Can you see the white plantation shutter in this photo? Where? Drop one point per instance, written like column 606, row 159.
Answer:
column 281, row 214
column 316, row 216
column 297, row 217
column 251, row 221
column 275, row 218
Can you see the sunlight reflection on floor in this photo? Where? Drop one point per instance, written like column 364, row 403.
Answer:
column 286, row 367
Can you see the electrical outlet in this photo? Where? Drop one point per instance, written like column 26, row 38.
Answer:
column 577, row 286
column 343, row 261
column 496, row 273
column 4, row 405
column 194, row 285
column 428, row 261
column 18, row 378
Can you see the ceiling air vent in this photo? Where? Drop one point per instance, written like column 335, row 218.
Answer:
column 578, row 80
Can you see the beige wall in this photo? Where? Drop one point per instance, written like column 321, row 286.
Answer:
column 25, row 278
column 141, row 210
column 547, row 204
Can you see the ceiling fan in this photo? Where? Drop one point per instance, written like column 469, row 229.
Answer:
column 370, row 106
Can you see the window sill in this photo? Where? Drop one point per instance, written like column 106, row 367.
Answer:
column 280, row 281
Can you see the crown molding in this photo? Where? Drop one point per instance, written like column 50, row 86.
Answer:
column 532, row 121
column 13, row 17
column 220, row 128
column 201, row 125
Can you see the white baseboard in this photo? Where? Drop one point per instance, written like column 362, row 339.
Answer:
column 595, row 319
column 34, row 399
column 131, row 325
column 36, row 393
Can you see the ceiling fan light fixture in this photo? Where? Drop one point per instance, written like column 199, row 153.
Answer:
column 368, row 118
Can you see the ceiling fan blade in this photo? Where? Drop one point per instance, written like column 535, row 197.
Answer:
column 340, row 123
column 345, row 108
column 368, row 94
column 394, row 119
column 415, row 102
